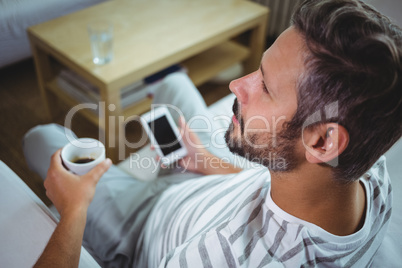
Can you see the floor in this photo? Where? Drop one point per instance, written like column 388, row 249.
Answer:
column 21, row 108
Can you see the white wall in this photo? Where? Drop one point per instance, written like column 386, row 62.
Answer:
column 391, row 8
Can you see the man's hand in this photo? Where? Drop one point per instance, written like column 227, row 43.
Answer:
column 194, row 161
column 71, row 195
column 70, row 192
column 198, row 158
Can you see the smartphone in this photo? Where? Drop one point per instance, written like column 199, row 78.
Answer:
column 164, row 135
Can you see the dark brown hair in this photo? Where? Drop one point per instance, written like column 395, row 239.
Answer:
column 353, row 62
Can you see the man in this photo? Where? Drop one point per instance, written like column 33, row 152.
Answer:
column 320, row 111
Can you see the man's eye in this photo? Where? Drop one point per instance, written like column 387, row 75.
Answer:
column 264, row 87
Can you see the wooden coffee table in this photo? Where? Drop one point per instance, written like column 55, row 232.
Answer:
column 148, row 36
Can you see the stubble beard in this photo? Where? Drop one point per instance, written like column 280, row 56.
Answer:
column 277, row 153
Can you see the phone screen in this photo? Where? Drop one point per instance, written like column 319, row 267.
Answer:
column 164, row 135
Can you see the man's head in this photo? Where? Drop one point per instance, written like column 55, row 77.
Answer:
column 347, row 86
column 266, row 99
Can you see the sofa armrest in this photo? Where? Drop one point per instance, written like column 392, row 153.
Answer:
column 26, row 224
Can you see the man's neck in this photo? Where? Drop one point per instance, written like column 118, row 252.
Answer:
column 311, row 194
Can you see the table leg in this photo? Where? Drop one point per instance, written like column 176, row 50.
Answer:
column 44, row 74
column 108, row 123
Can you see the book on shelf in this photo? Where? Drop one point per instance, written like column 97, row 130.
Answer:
column 76, row 92
column 79, row 83
column 83, row 91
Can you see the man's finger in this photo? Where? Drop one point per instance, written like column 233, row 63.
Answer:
column 182, row 123
column 56, row 162
column 99, row 170
column 56, row 157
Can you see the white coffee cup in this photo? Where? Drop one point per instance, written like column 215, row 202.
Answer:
column 83, row 149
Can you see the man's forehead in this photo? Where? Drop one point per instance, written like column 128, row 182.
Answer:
column 283, row 61
column 289, row 42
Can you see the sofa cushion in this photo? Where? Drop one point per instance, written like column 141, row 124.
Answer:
column 17, row 15
column 26, row 224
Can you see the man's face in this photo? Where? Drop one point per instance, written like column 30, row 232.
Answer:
column 266, row 99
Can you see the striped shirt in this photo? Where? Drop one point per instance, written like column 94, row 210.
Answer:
column 231, row 221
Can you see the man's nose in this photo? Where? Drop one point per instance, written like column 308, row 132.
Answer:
column 241, row 87
column 238, row 88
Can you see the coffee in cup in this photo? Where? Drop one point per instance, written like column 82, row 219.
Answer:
column 83, row 160
column 81, row 155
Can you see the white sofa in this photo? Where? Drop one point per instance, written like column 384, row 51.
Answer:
column 17, row 15
column 26, row 223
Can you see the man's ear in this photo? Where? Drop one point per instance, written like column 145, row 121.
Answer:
column 325, row 142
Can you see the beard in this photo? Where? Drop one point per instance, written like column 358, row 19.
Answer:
column 275, row 151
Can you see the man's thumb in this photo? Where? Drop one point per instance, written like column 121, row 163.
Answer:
column 97, row 172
